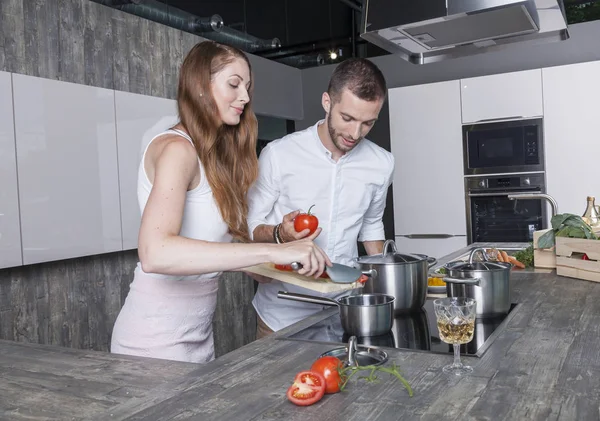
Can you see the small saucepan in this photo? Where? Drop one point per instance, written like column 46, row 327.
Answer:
column 361, row 315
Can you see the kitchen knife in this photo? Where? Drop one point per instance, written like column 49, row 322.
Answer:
column 338, row 273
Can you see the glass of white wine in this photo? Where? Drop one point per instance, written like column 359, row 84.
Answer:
column 456, row 324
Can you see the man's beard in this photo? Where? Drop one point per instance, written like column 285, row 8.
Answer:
column 335, row 137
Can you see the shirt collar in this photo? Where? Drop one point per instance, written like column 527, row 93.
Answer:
column 323, row 149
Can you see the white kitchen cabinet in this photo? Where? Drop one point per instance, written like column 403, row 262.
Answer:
column 67, row 169
column 436, row 247
column 502, row 96
column 139, row 119
column 571, row 137
column 10, row 228
column 426, row 140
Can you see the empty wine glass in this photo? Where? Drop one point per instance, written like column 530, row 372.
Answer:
column 456, row 324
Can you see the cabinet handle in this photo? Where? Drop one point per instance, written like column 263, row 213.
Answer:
column 512, row 117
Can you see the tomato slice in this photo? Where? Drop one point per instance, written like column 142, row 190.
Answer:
column 308, row 388
column 363, row 279
column 289, row 269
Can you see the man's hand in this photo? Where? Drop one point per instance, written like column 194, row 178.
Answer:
column 287, row 231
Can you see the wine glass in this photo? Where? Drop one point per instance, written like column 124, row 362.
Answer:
column 456, row 324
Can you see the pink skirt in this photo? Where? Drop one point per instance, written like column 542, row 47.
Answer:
column 168, row 318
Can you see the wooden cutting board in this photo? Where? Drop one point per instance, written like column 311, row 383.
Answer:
column 294, row 278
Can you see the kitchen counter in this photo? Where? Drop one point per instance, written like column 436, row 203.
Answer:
column 544, row 364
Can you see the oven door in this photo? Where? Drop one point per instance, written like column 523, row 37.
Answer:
column 493, row 217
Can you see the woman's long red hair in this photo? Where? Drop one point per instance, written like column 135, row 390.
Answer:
column 228, row 153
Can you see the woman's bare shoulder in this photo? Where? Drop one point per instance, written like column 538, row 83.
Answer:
column 173, row 145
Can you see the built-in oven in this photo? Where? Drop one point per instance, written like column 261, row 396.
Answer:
column 493, row 217
column 503, row 147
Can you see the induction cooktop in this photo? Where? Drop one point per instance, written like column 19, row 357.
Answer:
column 413, row 331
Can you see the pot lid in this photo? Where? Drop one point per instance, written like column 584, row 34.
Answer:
column 481, row 266
column 391, row 256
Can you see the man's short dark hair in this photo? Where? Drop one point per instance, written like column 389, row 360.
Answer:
column 359, row 75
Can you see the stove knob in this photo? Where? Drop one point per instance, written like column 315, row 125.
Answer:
column 527, row 181
column 482, row 183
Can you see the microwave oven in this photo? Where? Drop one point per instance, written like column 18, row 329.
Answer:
column 503, row 147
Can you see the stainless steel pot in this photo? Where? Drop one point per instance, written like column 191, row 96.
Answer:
column 361, row 315
column 403, row 276
column 487, row 282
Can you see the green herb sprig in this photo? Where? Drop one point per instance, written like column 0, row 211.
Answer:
column 525, row 256
column 346, row 373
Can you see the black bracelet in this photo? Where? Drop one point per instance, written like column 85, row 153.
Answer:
column 278, row 234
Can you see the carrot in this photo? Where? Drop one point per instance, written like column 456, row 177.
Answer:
column 516, row 262
column 505, row 256
column 499, row 257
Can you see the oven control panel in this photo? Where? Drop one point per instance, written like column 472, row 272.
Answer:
column 526, row 182
column 530, row 135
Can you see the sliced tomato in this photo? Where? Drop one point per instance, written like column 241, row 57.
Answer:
column 308, row 388
column 585, row 257
column 289, row 269
column 363, row 279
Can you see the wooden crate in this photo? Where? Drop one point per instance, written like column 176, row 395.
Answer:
column 569, row 262
column 543, row 258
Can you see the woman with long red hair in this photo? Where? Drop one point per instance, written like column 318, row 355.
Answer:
column 192, row 185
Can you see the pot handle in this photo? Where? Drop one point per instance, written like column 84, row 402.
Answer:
column 466, row 281
column 352, row 350
column 387, row 245
column 306, row 298
column 371, row 273
column 431, row 261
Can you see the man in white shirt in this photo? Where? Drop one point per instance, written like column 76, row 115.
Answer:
column 333, row 167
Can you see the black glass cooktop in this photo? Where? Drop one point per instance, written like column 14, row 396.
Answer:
column 415, row 331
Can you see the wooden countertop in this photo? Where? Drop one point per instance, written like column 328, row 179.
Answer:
column 545, row 364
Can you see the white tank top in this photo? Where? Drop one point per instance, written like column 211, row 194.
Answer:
column 202, row 219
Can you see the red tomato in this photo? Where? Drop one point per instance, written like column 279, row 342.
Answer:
column 308, row 388
column 328, row 368
column 306, row 221
column 283, row 267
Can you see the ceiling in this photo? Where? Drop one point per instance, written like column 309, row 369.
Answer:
column 308, row 30
column 300, row 33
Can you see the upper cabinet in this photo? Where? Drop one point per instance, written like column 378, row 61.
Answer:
column 572, row 142
column 139, row 119
column 67, row 169
column 10, row 230
column 426, row 140
column 502, row 96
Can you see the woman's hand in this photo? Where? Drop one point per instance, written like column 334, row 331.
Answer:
column 304, row 251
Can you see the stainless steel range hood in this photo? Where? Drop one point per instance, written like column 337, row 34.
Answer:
column 425, row 31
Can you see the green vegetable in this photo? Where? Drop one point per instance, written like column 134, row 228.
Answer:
column 343, row 372
column 525, row 256
column 566, row 225
column 441, row 270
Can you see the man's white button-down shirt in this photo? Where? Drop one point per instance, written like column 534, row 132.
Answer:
column 349, row 195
